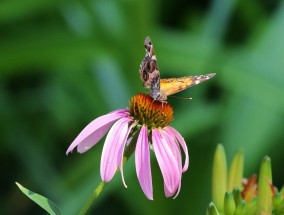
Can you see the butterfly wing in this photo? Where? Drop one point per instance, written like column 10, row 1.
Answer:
column 171, row 86
column 159, row 89
column 149, row 71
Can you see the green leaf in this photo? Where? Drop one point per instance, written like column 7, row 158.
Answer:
column 42, row 201
column 236, row 171
column 219, row 181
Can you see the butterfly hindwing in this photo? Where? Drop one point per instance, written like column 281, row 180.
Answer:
column 149, row 71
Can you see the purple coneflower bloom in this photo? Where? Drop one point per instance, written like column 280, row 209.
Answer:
column 145, row 124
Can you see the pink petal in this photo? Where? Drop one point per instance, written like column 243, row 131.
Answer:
column 178, row 190
column 122, row 152
column 180, row 139
column 174, row 146
column 166, row 160
column 95, row 130
column 113, row 147
column 142, row 162
column 169, row 194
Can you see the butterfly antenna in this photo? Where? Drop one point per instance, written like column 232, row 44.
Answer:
column 178, row 97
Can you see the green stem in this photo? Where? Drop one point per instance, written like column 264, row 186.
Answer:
column 92, row 198
column 127, row 153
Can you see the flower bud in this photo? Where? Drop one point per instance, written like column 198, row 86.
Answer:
column 265, row 194
column 229, row 204
column 212, row 210
column 237, row 196
column 219, row 182
column 236, row 171
column 241, row 208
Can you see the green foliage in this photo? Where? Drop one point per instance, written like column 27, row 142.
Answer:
column 64, row 63
column 42, row 201
column 254, row 197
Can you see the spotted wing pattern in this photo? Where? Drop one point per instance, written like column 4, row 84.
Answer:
column 149, row 71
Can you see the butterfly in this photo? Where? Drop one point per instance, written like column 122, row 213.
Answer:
column 160, row 89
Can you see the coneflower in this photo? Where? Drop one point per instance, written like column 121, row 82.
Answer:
column 144, row 126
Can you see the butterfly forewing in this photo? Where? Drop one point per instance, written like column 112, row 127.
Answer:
column 171, row 86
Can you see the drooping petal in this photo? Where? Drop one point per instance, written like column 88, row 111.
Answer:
column 142, row 162
column 93, row 138
column 178, row 190
column 166, row 160
column 122, row 152
column 180, row 139
column 169, row 194
column 174, row 146
column 95, row 130
column 114, row 144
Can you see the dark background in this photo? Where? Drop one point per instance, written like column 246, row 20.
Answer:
column 64, row 63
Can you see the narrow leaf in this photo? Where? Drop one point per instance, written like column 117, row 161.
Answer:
column 42, row 201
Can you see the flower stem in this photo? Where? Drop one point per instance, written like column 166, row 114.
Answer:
column 92, row 198
column 128, row 152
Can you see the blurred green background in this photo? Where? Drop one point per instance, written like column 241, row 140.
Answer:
column 64, row 63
